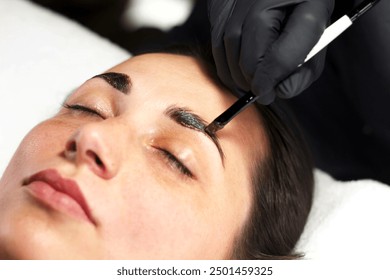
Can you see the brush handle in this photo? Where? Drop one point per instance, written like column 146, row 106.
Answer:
column 235, row 109
column 230, row 113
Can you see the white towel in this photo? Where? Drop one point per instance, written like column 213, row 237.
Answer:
column 349, row 220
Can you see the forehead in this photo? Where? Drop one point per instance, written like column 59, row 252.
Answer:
column 177, row 77
column 163, row 65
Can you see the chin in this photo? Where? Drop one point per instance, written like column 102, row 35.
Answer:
column 28, row 231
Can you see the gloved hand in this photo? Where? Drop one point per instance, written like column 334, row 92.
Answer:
column 258, row 44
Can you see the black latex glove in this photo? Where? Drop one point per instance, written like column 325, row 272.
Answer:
column 258, row 44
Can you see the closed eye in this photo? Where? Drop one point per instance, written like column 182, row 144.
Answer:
column 82, row 109
column 176, row 164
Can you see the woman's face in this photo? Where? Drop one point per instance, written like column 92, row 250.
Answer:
column 126, row 172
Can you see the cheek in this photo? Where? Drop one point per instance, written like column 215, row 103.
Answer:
column 41, row 145
column 50, row 132
column 155, row 221
column 149, row 220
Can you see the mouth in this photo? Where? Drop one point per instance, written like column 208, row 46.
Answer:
column 58, row 193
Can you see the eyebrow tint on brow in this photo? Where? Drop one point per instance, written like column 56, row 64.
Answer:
column 118, row 81
column 186, row 118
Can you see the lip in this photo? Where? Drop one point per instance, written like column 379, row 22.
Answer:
column 59, row 193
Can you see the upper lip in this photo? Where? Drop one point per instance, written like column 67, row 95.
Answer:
column 60, row 184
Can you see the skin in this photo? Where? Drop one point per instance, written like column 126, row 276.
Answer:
column 141, row 204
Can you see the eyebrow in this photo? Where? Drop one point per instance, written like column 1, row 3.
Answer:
column 118, row 81
column 188, row 119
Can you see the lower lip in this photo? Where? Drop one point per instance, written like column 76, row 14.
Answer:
column 57, row 200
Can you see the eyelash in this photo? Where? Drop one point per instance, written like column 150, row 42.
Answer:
column 82, row 109
column 175, row 163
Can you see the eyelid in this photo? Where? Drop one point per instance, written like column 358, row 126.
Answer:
column 84, row 109
column 176, row 163
column 93, row 97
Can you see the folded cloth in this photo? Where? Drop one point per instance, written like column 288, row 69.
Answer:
column 349, row 220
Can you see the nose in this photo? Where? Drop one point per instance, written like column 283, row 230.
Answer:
column 92, row 145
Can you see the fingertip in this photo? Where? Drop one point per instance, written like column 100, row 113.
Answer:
column 266, row 99
column 262, row 87
column 300, row 80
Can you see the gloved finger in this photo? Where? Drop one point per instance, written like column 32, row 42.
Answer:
column 296, row 83
column 220, row 12
column 232, row 42
column 260, row 31
column 301, row 79
column 303, row 29
column 222, row 66
column 263, row 87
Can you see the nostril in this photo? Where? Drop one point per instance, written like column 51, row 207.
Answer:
column 99, row 162
column 96, row 158
column 70, row 150
column 71, row 146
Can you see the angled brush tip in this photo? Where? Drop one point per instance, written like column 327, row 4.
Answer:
column 213, row 127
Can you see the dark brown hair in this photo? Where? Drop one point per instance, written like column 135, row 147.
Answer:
column 282, row 192
column 282, row 179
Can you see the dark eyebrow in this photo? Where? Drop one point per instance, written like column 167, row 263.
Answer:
column 186, row 118
column 118, row 81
